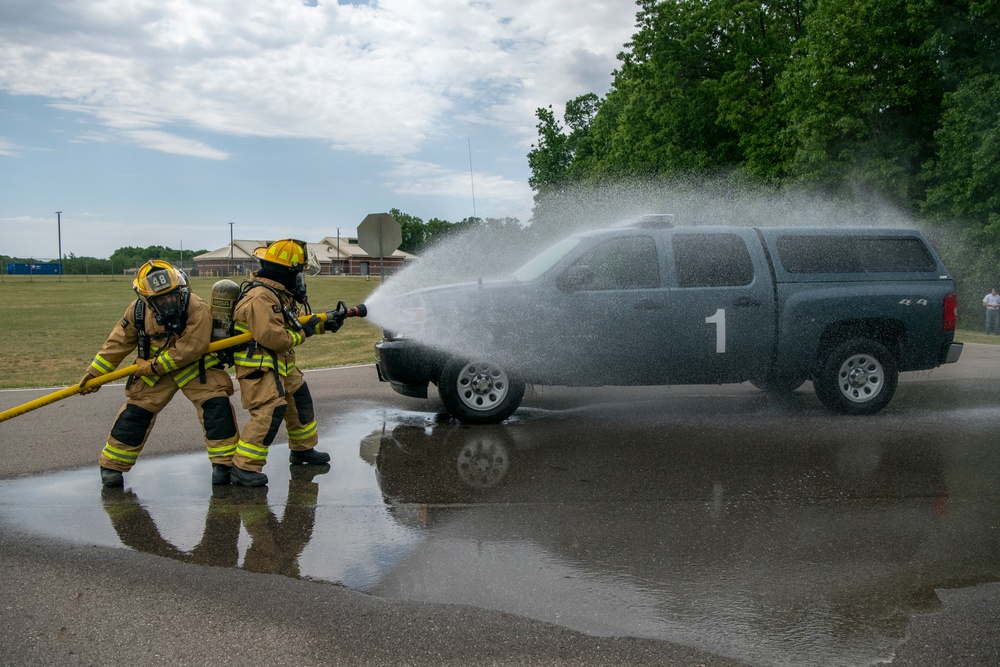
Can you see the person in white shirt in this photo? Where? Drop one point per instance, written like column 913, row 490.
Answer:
column 991, row 302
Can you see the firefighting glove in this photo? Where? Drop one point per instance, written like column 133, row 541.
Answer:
column 312, row 326
column 90, row 375
column 146, row 368
column 333, row 321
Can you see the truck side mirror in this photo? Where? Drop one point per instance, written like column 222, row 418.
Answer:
column 575, row 278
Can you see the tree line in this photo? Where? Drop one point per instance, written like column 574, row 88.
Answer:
column 128, row 257
column 417, row 235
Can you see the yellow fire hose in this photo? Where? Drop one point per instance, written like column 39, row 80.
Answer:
column 120, row 373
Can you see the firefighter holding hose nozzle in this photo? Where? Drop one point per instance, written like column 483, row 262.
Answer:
column 272, row 388
column 170, row 328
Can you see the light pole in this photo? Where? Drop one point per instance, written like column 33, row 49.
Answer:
column 338, row 250
column 230, row 248
column 59, row 232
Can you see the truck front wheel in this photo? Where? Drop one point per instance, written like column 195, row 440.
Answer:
column 857, row 378
column 479, row 391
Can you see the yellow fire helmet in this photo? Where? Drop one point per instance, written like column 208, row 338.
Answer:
column 165, row 289
column 291, row 254
column 157, row 277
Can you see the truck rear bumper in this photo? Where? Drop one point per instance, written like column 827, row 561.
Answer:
column 950, row 352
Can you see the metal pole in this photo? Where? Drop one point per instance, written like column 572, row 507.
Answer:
column 338, row 249
column 59, row 231
column 381, row 255
column 182, row 256
column 230, row 248
column 472, row 179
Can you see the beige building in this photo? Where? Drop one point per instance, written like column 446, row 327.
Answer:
column 335, row 258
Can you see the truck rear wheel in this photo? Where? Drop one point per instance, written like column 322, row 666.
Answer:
column 479, row 391
column 858, row 377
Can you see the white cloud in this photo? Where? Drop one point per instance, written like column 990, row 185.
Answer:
column 9, row 148
column 381, row 78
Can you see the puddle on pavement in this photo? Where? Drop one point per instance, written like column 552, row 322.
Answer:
column 778, row 540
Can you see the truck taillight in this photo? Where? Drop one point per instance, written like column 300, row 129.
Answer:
column 950, row 312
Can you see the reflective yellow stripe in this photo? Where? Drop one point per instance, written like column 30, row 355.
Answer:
column 118, row 455
column 303, row 433
column 183, row 377
column 165, row 362
column 101, row 364
column 297, row 338
column 191, row 371
column 265, row 360
column 222, row 450
column 149, row 380
column 254, row 452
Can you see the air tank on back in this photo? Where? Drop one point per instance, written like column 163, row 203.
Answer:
column 224, row 296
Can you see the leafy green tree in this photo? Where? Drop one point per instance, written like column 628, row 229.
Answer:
column 965, row 176
column 761, row 37
column 864, row 96
column 412, row 228
column 665, row 97
column 550, row 158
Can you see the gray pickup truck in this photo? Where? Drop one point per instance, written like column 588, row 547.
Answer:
column 650, row 303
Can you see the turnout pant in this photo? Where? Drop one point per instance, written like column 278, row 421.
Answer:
column 272, row 399
column 136, row 418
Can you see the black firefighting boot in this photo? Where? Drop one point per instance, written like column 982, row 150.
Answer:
column 111, row 478
column 246, row 477
column 308, row 457
column 220, row 473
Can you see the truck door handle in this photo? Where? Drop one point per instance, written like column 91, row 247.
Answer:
column 746, row 302
column 647, row 304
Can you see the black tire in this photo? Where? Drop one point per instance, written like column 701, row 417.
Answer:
column 479, row 391
column 858, row 377
column 778, row 385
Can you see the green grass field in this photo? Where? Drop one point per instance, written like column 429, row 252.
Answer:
column 51, row 329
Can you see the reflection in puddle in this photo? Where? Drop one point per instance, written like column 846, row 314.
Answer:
column 777, row 541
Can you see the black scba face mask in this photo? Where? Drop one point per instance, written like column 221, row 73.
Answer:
column 170, row 310
column 291, row 279
column 299, row 289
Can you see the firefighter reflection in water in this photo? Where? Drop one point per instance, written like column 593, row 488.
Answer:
column 272, row 388
column 170, row 328
column 275, row 545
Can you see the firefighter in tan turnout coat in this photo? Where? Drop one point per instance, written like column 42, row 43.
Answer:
column 272, row 388
column 172, row 344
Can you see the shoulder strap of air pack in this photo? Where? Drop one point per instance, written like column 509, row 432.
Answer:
column 139, row 314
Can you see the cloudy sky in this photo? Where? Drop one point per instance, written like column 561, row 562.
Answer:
column 161, row 121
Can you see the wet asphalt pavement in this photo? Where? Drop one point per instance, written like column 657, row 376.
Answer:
column 660, row 526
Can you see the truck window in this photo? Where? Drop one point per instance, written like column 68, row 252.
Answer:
column 712, row 260
column 854, row 254
column 627, row 262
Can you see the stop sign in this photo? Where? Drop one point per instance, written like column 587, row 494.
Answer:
column 379, row 234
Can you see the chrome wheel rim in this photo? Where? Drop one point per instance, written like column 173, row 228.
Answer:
column 482, row 385
column 861, row 378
